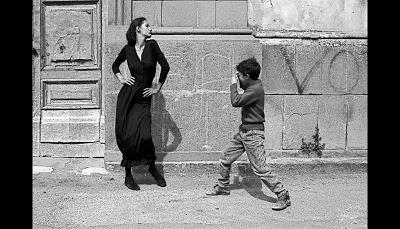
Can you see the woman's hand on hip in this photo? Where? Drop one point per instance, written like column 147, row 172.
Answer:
column 149, row 92
column 130, row 80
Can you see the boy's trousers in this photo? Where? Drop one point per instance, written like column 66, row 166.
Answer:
column 252, row 142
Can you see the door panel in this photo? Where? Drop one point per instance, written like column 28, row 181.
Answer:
column 70, row 32
column 70, row 77
column 70, row 94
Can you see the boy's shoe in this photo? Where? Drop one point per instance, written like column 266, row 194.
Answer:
column 218, row 191
column 283, row 201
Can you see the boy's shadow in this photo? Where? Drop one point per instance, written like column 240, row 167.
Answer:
column 248, row 181
column 162, row 127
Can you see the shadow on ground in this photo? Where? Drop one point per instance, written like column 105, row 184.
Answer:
column 251, row 183
column 142, row 175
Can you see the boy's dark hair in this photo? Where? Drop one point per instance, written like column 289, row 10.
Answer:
column 249, row 66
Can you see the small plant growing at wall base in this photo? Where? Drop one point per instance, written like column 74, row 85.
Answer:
column 313, row 147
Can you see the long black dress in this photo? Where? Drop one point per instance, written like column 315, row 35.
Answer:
column 133, row 119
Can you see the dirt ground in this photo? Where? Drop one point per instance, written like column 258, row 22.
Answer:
column 72, row 200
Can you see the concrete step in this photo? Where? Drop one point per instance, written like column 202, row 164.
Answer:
column 279, row 165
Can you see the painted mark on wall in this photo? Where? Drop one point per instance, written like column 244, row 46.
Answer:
column 350, row 79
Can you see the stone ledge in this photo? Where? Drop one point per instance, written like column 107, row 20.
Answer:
column 311, row 34
column 114, row 156
column 280, row 165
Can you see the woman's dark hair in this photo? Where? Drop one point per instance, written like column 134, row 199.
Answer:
column 131, row 33
column 249, row 66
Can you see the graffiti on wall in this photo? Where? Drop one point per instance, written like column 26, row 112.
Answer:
column 343, row 69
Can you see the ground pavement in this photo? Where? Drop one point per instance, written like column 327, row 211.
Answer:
column 98, row 199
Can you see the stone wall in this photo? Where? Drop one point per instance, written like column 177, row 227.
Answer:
column 317, row 83
column 324, row 16
column 307, row 84
column 314, row 72
column 192, row 115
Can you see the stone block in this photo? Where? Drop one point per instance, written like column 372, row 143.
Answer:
column 246, row 49
column 357, row 69
column 278, row 69
column 181, row 56
column 309, row 15
column 355, row 15
column 334, row 72
column 35, row 135
column 70, row 126
column 221, row 120
column 332, row 119
column 214, row 65
column 345, row 70
column 273, row 121
column 262, row 15
column 112, row 84
column 231, row 14
column 36, row 24
column 95, row 149
column 300, row 119
column 110, row 109
column 206, row 14
column 151, row 10
column 36, row 87
column 179, row 14
column 357, row 126
column 102, row 129
column 177, row 121
column 167, row 136
column 308, row 70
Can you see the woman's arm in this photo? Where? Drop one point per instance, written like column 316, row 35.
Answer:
column 115, row 68
column 162, row 61
column 118, row 61
column 159, row 55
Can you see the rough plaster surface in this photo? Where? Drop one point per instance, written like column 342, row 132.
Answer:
column 332, row 121
column 273, row 107
column 306, row 15
column 307, row 84
column 70, row 126
column 300, row 119
column 193, row 111
column 95, row 149
column 315, row 68
column 357, row 135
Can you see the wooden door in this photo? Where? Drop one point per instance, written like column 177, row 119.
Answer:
column 68, row 73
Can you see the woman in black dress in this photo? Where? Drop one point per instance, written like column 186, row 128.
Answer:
column 133, row 119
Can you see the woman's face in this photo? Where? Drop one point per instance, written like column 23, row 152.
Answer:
column 145, row 29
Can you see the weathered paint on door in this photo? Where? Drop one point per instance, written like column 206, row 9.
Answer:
column 68, row 76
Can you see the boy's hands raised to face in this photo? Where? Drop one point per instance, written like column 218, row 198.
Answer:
column 235, row 78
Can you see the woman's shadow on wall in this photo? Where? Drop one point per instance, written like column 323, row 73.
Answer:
column 248, row 181
column 163, row 128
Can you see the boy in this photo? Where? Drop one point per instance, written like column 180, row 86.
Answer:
column 250, row 137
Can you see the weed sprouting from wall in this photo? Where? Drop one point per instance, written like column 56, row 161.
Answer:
column 313, row 147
